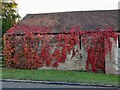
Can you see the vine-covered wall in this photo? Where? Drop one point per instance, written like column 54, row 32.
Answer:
column 59, row 51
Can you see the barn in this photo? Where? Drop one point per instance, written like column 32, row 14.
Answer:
column 78, row 40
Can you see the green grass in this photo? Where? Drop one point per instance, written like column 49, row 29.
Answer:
column 60, row 75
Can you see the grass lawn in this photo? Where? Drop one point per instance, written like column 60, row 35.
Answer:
column 60, row 75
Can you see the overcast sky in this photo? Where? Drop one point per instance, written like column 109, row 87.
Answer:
column 47, row 6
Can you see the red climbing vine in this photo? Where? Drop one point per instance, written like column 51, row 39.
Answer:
column 98, row 45
column 39, row 47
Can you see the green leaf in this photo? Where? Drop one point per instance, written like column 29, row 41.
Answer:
column 9, row 15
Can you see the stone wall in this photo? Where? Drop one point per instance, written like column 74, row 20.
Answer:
column 78, row 61
column 118, row 60
column 71, row 63
column 111, row 62
column 83, row 54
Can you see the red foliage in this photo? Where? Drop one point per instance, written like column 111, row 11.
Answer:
column 97, row 48
column 35, row 47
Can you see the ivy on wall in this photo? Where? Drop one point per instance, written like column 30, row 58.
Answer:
column 32, row 50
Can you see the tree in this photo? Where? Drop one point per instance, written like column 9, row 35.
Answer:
column 0, row 15
column 9, row 14
column 0, row 7
column 0, row 23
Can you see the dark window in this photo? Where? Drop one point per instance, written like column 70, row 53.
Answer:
column 80, row 41
column 118, row 41
column 80, row 46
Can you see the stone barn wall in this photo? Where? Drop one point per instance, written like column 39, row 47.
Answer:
column 76, row 62
column 71, row 63
column 111, row 61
